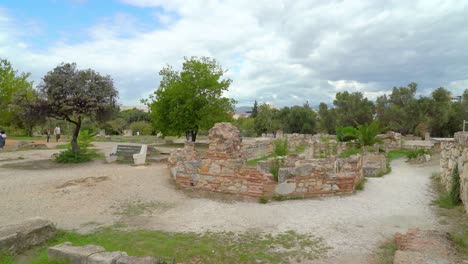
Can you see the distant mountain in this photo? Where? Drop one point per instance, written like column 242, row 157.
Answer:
column 243, row 110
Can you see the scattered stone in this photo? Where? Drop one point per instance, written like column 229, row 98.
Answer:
column 18, row 237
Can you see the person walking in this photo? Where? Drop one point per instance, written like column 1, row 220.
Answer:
column 2, row 139
column 57, row 133
column 48, row 134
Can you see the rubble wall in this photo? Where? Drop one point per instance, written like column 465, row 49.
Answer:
column 455, row 154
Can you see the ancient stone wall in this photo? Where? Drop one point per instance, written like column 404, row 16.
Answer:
column 455, row 154
column 223, row 170
column 254, row 149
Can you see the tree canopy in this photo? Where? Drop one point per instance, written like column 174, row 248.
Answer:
column 69, row 94
column 11, row 84
column 191, row 99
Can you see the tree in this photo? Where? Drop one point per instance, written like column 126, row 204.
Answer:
column 254, row 110
column 190, row 100
column 11, row 82
column 264, row 121
column 299, row 119
column 440, row 112
column 353, row 109
column 26, row 110
column 69, row 94
column 143, row 127
column 327, row 121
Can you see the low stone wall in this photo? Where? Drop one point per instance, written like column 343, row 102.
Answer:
column 455, row 154
column 18, row 237
column 223, row 170
column 374, row 164
column 254, row 149
column 417, row 144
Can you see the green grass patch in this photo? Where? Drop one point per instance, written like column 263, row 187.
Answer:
column 140, row 208
column 397, row 154
column 81, row 156
column 255, row 161
column 300, row 148
column 349, row 151
column 386, row 251
column 361, row 184
column 6, row 258
column 444, row 199
column 263, row 199
column 226, row 247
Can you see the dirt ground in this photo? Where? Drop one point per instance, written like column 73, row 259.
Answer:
column 86, row 196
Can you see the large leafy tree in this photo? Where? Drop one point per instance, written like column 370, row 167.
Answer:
column 327, row 119
column 352, row 109
column 299, row 119
column 11, row 83
column 440, row 112
column 191, row 99
column 69, row 94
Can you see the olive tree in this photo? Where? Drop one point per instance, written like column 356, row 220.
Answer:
column 69, row 94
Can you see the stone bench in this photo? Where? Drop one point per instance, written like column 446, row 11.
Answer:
column 128, row 153
column 68, row 253
column 18, row 237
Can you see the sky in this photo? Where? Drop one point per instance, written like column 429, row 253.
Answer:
column 282, row 52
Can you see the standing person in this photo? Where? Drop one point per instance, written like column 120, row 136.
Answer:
column 2, row 139
column 57, row 133
column 47, row 132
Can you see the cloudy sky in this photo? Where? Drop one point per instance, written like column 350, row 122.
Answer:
column 283, row 52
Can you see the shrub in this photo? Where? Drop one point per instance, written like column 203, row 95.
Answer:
column 274, row 170
column 344, row 134
column 415, row 153
column 143, row 127
column 69, row 156
column 349, row 151
column 263, row 199
column 281, row 147
column 360, row 185
column 455, row 186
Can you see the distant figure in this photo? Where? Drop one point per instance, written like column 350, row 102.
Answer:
column 138, row 133
column 274, row 133
column 57, row 133
column 47, row 132
column 2, row 139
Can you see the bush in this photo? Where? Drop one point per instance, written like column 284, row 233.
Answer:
column 263, row 199
column 455, row 186
column 345, row 134
column 281, row 147
column 143, row 127
column 349, row 151
column 415, row 153
column 360, row 185
column 69, row 156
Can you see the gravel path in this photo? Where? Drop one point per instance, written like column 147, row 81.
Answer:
column 83, row 197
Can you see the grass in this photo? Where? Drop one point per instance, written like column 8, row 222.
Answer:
column 255, row 161
column 226, row 247
column 386, row 251
column 361, row 184
column 397, row 154
column 300, row 148
column 452, row 214
column 140, row 208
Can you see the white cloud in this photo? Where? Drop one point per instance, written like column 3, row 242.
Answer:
column 278, row 51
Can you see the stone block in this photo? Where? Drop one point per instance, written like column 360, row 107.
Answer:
column 303, row 170
column 105, row 257
column 18, row 237
column 285, row 188
column 140, row 158
column 74, row 255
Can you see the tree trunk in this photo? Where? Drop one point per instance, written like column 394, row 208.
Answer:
column 194, row 135
column 76, row 132
column 187, row 135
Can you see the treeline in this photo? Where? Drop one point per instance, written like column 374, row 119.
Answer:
column 401, row 111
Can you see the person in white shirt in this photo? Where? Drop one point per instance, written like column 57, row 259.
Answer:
column 57, row 133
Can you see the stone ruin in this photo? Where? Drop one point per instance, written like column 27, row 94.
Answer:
column 222, row 169
column 455, row 154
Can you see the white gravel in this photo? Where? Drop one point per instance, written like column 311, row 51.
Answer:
column 351, row 225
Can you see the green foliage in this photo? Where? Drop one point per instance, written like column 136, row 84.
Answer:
column 69, row 156
column 396, row 154
column 300, row 148
column 444, row 199
column 254, row 110
column 210, row 247
column 83, row 155
column 281, row 147
column 386, row 252
column 255, row 161
column 345, row 134
column 6, row 258
column 265, row 120
column 69, row 94
column 367, row 133
column 415, row 153
column 190, row 100
column 11, row 83
column 298, row 119
column 246, row 126
column 455, row 186
column 263, row 199
column 351, row 150
column 352, row 108
column 143, row 127
column 361, row 184
column 327, row 121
